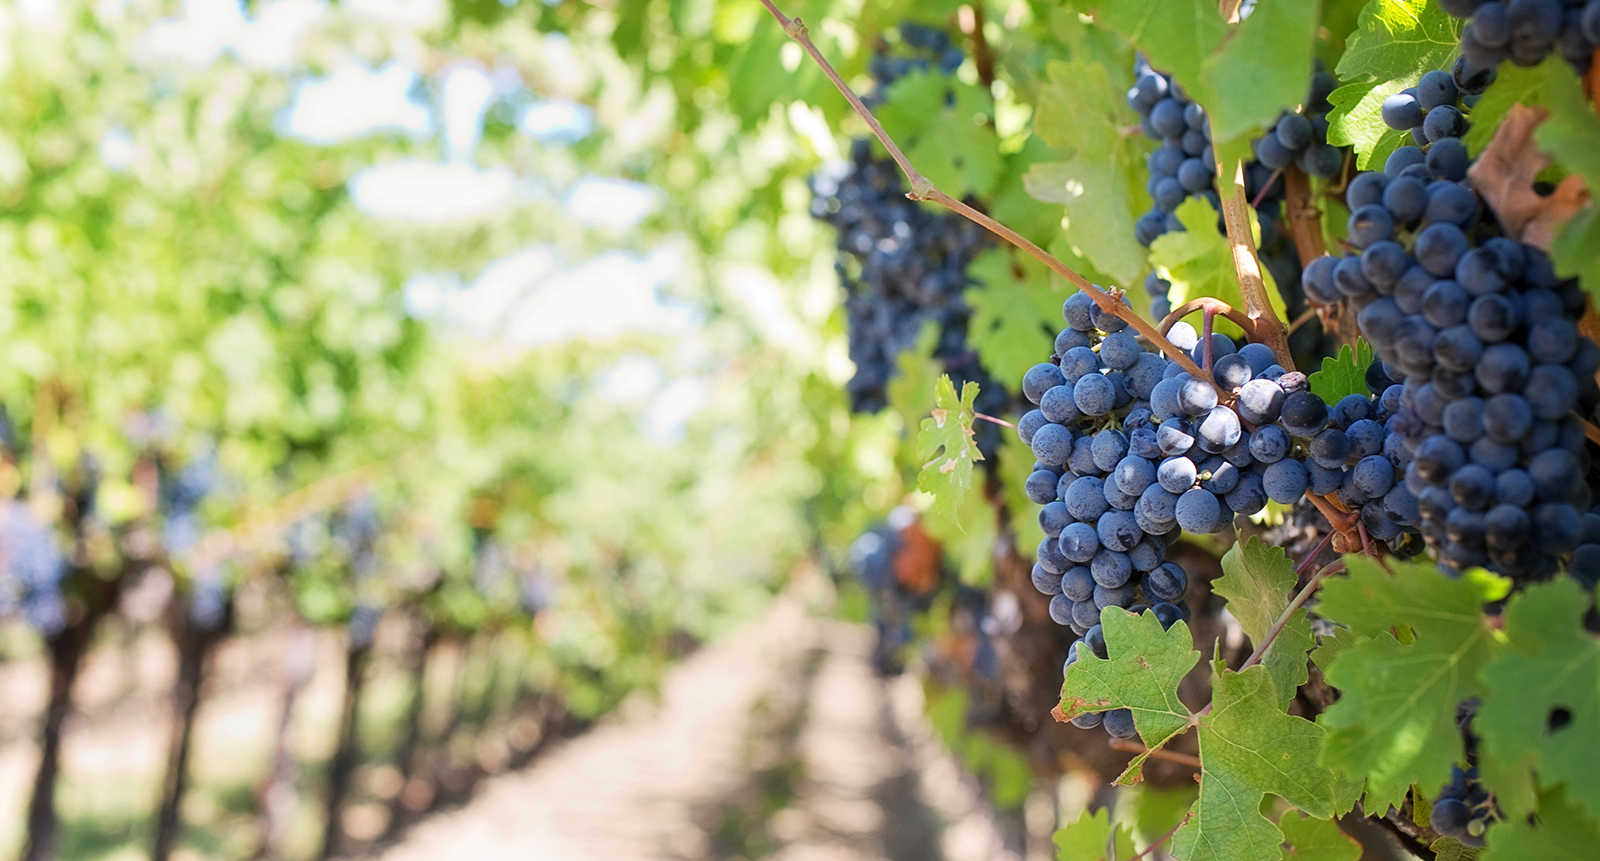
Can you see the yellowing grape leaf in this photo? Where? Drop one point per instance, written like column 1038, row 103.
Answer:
column 1395, row 721
column 1541, row 711
column 946, row 446
column 1250, row 748
column 1258, row 581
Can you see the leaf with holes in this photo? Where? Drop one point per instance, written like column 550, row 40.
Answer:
column 1541, row 710
column 1561, row 833
column 1250, row 749
column 946, row 447
column 1395, row 721
column 1258, row 581
column 1343, row 375
column 1143, row 667
column 1093, row 838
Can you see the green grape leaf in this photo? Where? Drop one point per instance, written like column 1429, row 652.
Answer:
column 1261, row 69
column 1395, row 721
column 1394, row 43
column 1569, row 136
column 1249, row 749
column 1093, row 838
column 1513, row 85
column 941, row 123
column 1081, row 113
column 967, row 533
column 1357, row 121
column 911, row 390
column 1141, row 673
column 1550, row 670
column 1157, row 809
column 1175, row 35
column 1561, row 834
column 1015, row 313
column 1016, row 464
column 1014, row 207
column 1400, row 39
column 1451, row 849
column 1198, row 262
column 1343, row 375
column 946, row 447
column 1258, row 580
column 1312, row 839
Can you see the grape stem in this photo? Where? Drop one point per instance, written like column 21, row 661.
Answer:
column 1305, row 317
column 1207, row 324
column 1128, row 745
column 923, row 188
column 1305, row 220
column 1311, row 557
column 1589, row 430
column 1299, row 601
column 1212, row 306
column 988, row 418
column 1269, row 329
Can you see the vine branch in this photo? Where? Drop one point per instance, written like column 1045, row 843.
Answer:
column 1211, row 305
column 923, row 189
column 1304, row 217
column 1128, row 745
column 1269, row 329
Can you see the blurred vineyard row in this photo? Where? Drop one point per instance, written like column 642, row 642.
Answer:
column 385, row 389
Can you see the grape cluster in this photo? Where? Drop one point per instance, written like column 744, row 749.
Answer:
column 1527, row 31
column 1464, row 808
column 924, row 49
column 1184, row 166
column 1435, row 109
column 1131, row 451
column 1484, row 336
column 902, row 265
column 31, row 569
column 895, row 597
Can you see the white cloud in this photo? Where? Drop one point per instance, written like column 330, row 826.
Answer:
column 433, row 192
column 355, row 101
column 614, row 203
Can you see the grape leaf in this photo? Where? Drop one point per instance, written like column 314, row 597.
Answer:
column 1395, row 721
column 911, row 389
column 1451, row 849
column 1157, row 809
column 946, row 446
column 1092, row 838
column 1394, row 43
column 1014, row 314
column 1562, row 834
column 1258, row 580
column 1176, row 36
column 1513, row 85
column 1400, row 39
column 967, row 533
column 1569, row 135
column 939, row 121
column 1082, row 113
column 1249, row 749
column 1357, row 121
column 1261, row 69
column 1343, row 375
column 1141, row 673
column 1551, row 664
column 1198, row 262
column 1312, row 839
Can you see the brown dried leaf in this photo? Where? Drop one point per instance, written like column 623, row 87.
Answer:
column 1504, row 175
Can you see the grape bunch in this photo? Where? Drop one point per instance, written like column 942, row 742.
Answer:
column 1464, row 808
column 31, row 570
column 1527, row 31
column 902, row 265
column 1184, row 166
column 1131, row 451
column 900, row 567
column 1436, row 108
column 1484, row 336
